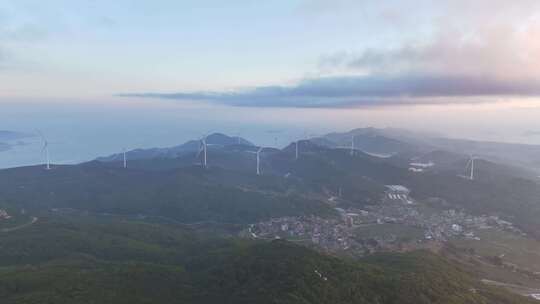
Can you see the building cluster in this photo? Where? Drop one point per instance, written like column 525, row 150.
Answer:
column 398, row 192
column 325, row 232
column 419, row 167
column 342, row 233
column 4, row 215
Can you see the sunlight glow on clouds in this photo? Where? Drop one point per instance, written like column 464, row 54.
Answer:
column 302, row 53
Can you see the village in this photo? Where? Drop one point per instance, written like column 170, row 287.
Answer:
column 397, row 223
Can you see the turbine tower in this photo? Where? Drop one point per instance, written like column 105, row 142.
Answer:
column 125, row 159
column 352, row 145
column 205, row 152
column 202, row 149
column 259, row 161
column 472, row 167
column 471, row 163
column 46, row 150
column 258, row 155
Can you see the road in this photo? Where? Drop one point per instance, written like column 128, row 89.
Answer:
column 523, row 290
column 34, row 219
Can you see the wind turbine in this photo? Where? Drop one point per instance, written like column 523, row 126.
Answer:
column 202, row 149
column 258, row 154
column 46, row 150
column 471, row 163
column 259, row 161
column 296, row 143
column 352, row 145
column 125, row 159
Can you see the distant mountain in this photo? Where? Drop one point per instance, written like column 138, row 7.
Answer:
column 319, row 172
column 192, row 146
column 323, row 171
column 369, row 140
column 526, row 156
column 514, row 154
column 412, row 144
column 458, row 164
column 305, row 146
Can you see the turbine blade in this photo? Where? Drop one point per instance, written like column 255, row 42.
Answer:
column 45, row 145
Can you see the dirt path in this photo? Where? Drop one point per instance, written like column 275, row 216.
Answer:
column 34, row 219
column 524, row 290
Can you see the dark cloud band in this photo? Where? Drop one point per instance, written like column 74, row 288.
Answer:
column 353, row 91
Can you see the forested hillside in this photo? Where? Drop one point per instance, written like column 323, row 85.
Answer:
column 85, row 260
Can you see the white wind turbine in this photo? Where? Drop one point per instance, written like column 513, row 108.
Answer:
column 259, row 161
column 258, row 154
column 471, row 163
column 297, row 144
column 125, row 158
column 202, row 149
column 46, row 150
column 352, row 145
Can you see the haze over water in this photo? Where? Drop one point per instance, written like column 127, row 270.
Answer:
column 81, row 131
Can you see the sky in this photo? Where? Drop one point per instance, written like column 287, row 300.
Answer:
column 295, row 53
column 464, row 68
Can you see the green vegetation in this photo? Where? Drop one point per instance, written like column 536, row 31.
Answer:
column 16, row 217
column 85, row 260
column 95, row 259
column 188, row 195
column 519, row 250
column 517, row 200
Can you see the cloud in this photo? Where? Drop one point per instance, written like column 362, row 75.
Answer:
column 351, row 91
column 3, row 57
column 482, row 38
column 15, row 35
column 6, row 57
column 531, row 133
column 470, row 52
column 502, row 52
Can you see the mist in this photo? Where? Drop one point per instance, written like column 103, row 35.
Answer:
column 83, row 130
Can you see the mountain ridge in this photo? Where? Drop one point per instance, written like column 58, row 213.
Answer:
column 191, row 146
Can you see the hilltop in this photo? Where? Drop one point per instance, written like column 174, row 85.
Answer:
column 189, row 147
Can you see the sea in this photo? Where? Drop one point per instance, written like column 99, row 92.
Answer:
column 82, row 131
